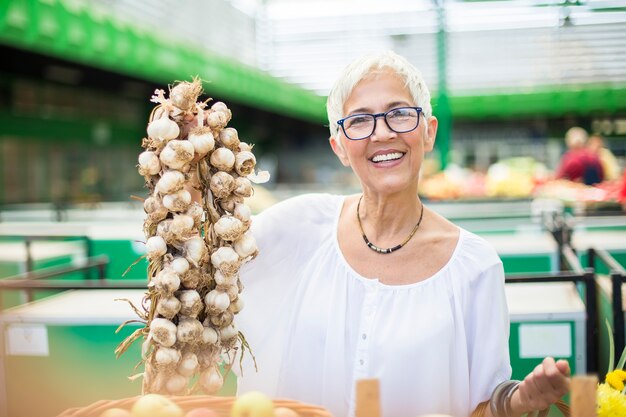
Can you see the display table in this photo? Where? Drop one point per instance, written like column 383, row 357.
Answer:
column 59, row 352
column 525, row 252
column 547, row 319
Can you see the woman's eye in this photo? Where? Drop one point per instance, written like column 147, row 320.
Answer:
column 400, row 113
column 358, row 120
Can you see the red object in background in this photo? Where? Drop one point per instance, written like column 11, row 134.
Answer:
column 580, row 165
column 622, row 194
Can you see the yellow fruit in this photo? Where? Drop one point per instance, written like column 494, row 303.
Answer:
column 155, row 405
column 252, row 404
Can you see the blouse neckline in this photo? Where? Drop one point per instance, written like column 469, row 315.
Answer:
column 376, row 281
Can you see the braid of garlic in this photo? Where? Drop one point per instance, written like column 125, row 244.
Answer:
column 195, row 249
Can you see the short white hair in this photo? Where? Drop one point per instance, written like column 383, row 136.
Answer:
column 368, row 65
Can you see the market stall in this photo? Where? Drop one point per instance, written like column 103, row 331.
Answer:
column 55, row 347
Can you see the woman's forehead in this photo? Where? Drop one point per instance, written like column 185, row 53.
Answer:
column 378, row 89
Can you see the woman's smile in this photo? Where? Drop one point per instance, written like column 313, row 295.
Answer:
column 387, row 158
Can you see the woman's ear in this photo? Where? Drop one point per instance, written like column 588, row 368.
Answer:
column 338, row 149
column 431, row 134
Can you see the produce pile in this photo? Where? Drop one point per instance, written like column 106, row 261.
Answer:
column 250, row 404
column 195, row 246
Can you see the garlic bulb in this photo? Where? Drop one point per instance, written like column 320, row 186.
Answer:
column 216, row 119
column 179, row 265
column 163, row 332
column 222, row 184
column 231, row 290
column 194, row 250
column 191, row 279
column 196, row 212
column 176, row 384
column 216, row 301
column 226, row 260
column 170, row 182
column 168, row 307
column 244, row 163
column 211, row 380
column 243, row 146
column 189, row 330
column 221, row 107
column 164, row 230
column 222, row 319
column 228, row 204
column 184, row 94
column 182, row 225
column 243, row 187
column 188, row 364
column 179, row 201
column 237, row 305
column 246, row 246
column 166, row 281
column 163, row 129
column 167, row 356
column 229, row 228
column 177, row 153
column 223, row 159
column 156, row 247
column 149, row 163
column 209, row 336
column 230, row 138
column 228, row 332
column 224, row 280
column 154, row 208
column 243, row 213
column 190, row 303
column 202, row 140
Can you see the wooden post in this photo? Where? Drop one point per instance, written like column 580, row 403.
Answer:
column 583, row 396
column 367, row 398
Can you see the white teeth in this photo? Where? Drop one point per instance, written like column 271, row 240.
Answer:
column 387, row 157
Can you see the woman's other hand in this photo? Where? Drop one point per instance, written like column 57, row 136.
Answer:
column 545, row 385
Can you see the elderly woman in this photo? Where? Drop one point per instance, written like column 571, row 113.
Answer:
column 377, row 285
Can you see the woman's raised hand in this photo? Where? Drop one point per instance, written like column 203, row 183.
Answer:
column 545, row 385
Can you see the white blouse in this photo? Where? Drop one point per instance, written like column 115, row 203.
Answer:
column 316, row 326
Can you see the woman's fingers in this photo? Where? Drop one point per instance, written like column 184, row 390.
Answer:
column 545, row 385
column 563, row 366
column 556, row 374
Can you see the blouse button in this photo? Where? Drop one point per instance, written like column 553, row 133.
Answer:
column 361, row 361
column 364, row 336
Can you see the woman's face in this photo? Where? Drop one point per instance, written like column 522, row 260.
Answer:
column 386, row 162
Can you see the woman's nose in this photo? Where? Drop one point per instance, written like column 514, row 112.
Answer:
column 381, row 131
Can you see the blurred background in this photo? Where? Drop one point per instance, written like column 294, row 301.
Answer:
column 508, row 79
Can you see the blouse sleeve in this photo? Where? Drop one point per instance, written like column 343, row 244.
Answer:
column 270, row 281
column 488, row 334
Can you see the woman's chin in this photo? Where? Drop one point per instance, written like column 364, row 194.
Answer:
column 392, row 184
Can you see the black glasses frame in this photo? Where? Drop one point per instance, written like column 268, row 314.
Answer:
column 341, row 122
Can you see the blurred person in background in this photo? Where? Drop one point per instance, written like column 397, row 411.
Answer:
column 377, row 285
column 610, row 166
column 579, row 163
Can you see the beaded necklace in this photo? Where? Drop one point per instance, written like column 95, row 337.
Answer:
column 387, row 250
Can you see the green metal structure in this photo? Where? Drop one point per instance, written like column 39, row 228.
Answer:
column 79, row 32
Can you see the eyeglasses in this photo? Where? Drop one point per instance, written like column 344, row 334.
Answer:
column 362, row 126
